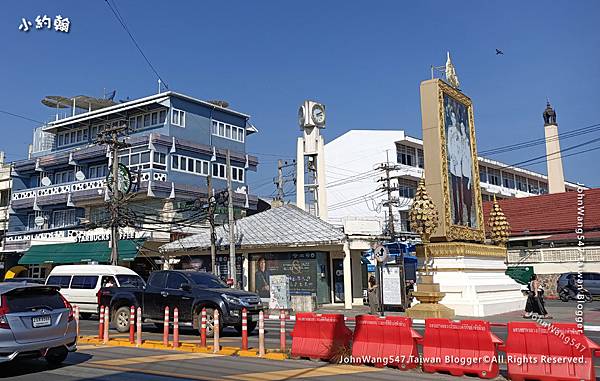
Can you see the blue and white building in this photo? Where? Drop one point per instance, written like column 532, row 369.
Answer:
column 175, row 141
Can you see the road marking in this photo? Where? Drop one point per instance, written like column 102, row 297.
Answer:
column 335, row 370
column 156, row 358
column 122, row 369
column 89, row 346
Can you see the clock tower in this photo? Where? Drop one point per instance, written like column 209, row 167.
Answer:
column 311, row 194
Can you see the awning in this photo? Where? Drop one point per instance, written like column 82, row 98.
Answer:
column 80, row 252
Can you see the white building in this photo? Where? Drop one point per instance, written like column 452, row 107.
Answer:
column 354, row 181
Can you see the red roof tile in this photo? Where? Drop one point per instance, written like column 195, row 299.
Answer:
column 549, row 214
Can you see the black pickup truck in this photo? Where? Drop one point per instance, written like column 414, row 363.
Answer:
column 189, row 291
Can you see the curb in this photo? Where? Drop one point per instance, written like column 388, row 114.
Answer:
column 183, row 347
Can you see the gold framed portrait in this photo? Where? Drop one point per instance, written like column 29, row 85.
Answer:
column 451, row 165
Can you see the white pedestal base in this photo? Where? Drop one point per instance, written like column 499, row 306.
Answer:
column 477, row 286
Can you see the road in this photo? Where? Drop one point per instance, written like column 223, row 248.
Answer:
column 119, row 363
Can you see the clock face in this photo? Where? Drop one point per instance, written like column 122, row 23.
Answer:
column 318, row 115
column 301, row 116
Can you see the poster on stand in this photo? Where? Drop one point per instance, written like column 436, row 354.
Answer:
column 391, row 287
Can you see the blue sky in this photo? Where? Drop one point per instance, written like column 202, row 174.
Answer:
column 364, row 60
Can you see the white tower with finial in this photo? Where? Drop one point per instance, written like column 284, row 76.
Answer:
column 451, row 76
column 556, row 176
column 311, row 194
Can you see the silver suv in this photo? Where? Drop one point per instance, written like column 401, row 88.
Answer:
column 35, row 321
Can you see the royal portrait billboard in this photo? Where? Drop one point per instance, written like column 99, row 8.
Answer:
column 451, row 167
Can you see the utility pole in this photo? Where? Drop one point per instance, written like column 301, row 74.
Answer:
column 388, row 168
column 280, row 180
column 110, row 137
column 211, row 220
column 232, row 264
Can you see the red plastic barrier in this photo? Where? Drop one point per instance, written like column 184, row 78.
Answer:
column 552, row 353
column 461, row 348
column 319, row 336
column 385, row 341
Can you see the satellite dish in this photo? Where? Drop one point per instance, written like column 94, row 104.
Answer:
column 80, row 176
column 39, row 221
column 46, row 181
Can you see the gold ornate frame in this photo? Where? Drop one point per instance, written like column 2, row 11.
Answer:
column 459, row 232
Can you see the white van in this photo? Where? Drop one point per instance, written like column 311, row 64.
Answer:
column 79, row 284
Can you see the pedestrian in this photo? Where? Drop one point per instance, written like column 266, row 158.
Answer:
column 535, row 300
column 373, row 296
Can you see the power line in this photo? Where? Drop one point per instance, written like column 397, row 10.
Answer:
column 21, row 116
column 122, row 22
column 534, row 142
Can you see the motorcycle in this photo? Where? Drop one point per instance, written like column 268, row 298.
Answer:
column 565, row 295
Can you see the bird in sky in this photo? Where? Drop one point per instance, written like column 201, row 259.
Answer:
column 498, row 51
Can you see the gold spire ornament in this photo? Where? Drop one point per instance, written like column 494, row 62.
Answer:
column 423, row 215
column 499, row 227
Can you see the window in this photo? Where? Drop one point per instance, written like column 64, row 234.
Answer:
column 61, row 218
column 159, row 161
column 4, row 197
column 158, row 280
column 228, row 131
column 407, row 188
column 150, row 119
column 108, row 281
column 99, row 215
column 533, row 186
column 97, row 171
column 493, row 176
column 136, row 159
column 483, row 174
column 59, row 280
column 405, row 155
column 521, row 183
column 543, row 188
column 508, row 180
column 74, row 136
column 190, row 165
column 36, row 271
column 237, row 174
column 85, row 282
column 420, row 158
column 175, row 280
column 218, row 170
column 178, row 117
column 64, row 177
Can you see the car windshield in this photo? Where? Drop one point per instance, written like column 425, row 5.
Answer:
column 130, row 281
column 207, row 280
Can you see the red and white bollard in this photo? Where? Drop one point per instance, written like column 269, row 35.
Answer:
column 132, row 325
column 101, row 323
column 282, row 330
column 244, row 329
column 203, row 329
column 166, row 327
column 261, row 334
column 216, row 332
column 175, row 327
column 76, row 313
column 106, row 324
column 139, row 327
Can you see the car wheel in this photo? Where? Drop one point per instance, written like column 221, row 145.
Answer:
column 210, row 322
column 564, row 297
column 85, row 316
column 121, row 319
column 56, row 356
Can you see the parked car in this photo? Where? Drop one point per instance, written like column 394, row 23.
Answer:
column 189, row 291
column 591, row 282
column 80, row 284
column 27, row 280
column 35, row 321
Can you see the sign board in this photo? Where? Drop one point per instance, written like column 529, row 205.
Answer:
column 39, row 221
column 392, row 290
column 46, row 181
column 80, row 176
column 382, row 254
column 279, row 286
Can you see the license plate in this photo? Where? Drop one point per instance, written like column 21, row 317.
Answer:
column 41, row 321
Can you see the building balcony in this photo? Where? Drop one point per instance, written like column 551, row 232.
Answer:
column 553, row 255
column 73, row 192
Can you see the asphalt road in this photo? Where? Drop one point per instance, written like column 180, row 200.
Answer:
column 116, row 363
